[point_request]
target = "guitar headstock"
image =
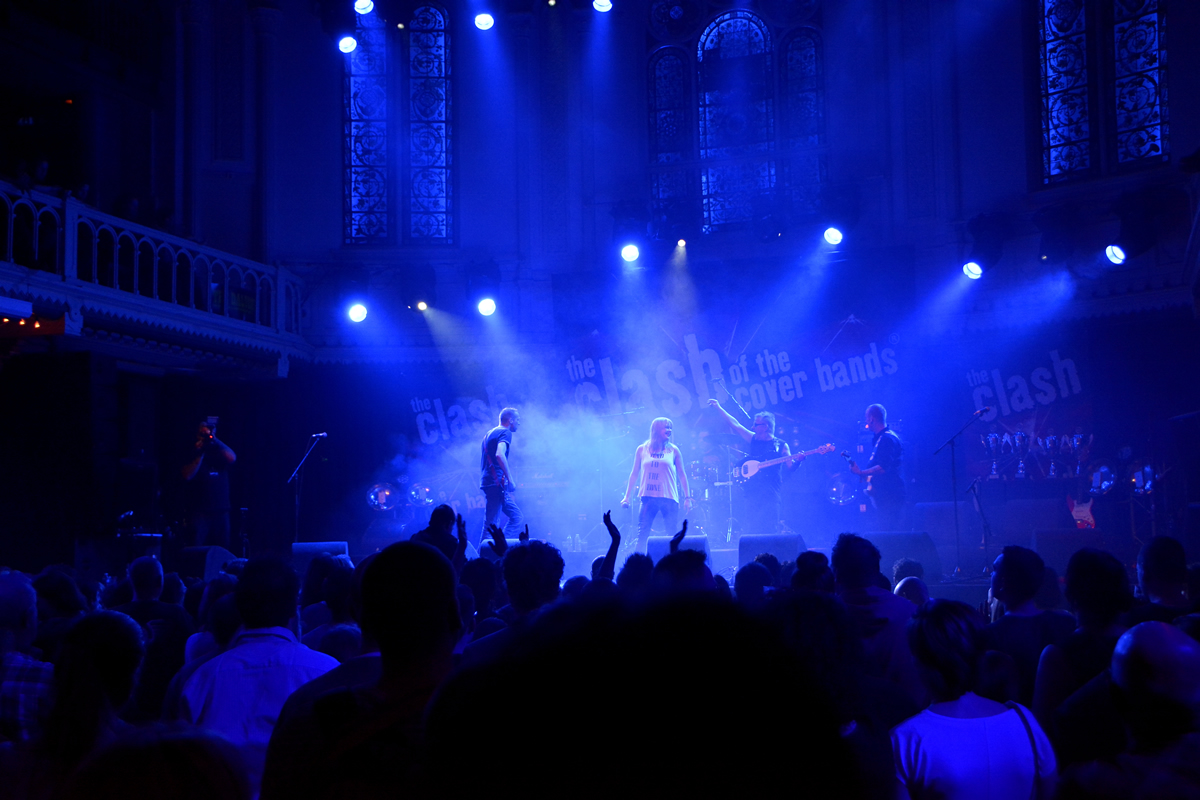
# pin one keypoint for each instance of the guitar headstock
(826, 449)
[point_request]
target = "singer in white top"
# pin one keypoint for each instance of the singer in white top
(659, 476)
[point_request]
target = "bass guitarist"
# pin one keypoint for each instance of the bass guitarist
(496, 479)
(762, 491)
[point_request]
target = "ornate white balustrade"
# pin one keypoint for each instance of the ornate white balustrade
(99, 269)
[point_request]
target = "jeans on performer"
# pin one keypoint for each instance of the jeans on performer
(651, 507)
(499, 500)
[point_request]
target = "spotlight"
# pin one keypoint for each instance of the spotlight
(1115, 254)
(484, 22)
(988, 232)
(357, 312)
(422, 306)
(347, 44)
(487, 306)
(630, 252)
(681, 243)
(833, 236)
(551, 2)
(603, 6)
(1147, 216)
(972, 270)
(364, 6)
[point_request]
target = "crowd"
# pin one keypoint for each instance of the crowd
(420, 672)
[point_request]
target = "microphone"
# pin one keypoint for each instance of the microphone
(983, 410)
(320, 436)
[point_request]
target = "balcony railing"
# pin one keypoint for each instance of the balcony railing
(80, 245)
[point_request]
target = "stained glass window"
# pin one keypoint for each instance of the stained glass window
(367, 210)
(430, 195)
(804, 95)
(1139, 62)
(736, 105)
(1066, 129)
(671, 138)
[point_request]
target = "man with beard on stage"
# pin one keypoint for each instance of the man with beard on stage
(496, 480)
(762, 513)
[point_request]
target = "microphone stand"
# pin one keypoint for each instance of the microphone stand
(954, 487)
(298, 477)
(973, 490)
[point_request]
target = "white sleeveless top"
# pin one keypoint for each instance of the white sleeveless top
(658, 478)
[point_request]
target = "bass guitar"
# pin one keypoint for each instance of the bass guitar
(749, 468)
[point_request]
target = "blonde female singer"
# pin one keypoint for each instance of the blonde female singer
(659, 476)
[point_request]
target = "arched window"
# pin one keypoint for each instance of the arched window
(803, 100)
(399, 159)
(672, 141)
(1104, 107)
(736, 104)
(746, 141)
(429, 186)
(367, 210)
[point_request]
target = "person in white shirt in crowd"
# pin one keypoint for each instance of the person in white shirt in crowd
(965, 747)
(240, 693)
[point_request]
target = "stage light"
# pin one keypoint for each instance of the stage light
(630, 252)
(833, 236)
(603, 6)
(681, 243)
(422, 306)
(357, 312)
(972, 270)
(551, 2)
(487, 306)
(364, 6)
(484, 22)
(347, 44)
(1115, 254)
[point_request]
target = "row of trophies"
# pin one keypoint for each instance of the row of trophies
(1068, 452)
(1068, 456)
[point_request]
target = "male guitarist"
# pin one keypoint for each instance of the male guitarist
(763, 489)
(886, 481)
(496, 480)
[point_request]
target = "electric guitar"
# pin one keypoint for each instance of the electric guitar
(866, 479)
(749, 468)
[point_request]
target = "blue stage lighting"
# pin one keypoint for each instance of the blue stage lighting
(972, 270)
(603, 6)
(364, 6)
(630, 252)
(357, 312)
(1115, 254)
(347, 44)
(484, 22)
(833, 236)
(681, 243)
(487, 306)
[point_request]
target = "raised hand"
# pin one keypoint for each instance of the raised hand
(677, 539)
(524, 537)
(612, 529)
(499, 543)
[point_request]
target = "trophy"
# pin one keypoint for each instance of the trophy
(991, 444)
(1021, 446)
(1050, 445)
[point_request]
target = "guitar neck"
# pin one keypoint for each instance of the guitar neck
(782, 459)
